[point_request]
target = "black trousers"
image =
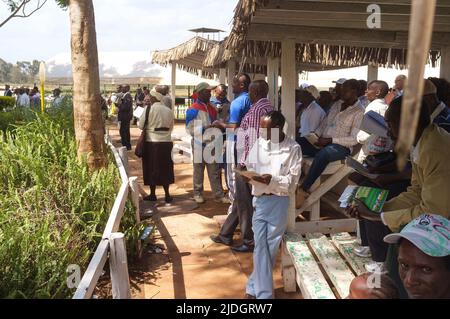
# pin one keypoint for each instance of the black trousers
(241, 214)
(125, 134)
(373, 233)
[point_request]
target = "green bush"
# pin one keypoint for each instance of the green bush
(53, 210)
(7, 102)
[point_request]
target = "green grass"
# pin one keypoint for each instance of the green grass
(52, 208)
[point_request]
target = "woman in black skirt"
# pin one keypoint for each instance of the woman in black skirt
(157, 161)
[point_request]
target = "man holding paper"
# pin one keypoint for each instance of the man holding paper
(277, 160)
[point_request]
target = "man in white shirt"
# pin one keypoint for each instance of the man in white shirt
(277, 160)
(312, 116)
(373, 144)
(23, 99)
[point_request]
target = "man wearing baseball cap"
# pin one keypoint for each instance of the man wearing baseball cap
(204, 114)
(424, 257)
(338, 88)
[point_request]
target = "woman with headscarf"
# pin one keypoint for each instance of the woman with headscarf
(157, 161)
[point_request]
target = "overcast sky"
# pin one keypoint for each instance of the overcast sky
(122, 25)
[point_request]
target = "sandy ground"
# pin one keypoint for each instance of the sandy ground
(191, 265)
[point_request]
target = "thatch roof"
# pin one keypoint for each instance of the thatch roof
(237, 44)
(188, 56)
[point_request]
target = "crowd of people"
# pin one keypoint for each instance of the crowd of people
(31, 98)
(408, 242)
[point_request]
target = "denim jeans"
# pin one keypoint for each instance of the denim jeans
(330, 153)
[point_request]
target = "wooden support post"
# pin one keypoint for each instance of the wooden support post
(273, 70)
(445, 63)
(119, 267)
(231, 75)
(287, 270)
(124, 157)
(288, 107)
(222, 76)
(134, 192)
(372, 73)
(173, 89)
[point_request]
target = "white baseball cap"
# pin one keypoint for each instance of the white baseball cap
(340, 81)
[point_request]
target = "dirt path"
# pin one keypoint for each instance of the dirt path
(191, 265)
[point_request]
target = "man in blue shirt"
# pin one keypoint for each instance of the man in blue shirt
(238, 109)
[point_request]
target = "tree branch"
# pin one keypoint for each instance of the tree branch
(22, 7)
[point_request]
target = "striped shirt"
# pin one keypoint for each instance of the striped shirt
(248, 132)
(342, 126)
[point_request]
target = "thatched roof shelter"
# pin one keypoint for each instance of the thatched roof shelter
(333, 33)
(188, 56)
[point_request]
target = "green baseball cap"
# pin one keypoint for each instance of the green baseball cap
(204, 86)
(429, 233)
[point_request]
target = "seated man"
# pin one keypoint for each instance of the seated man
(277, 159)
(336, 136)
(368, 286)
(312, 115)
(424, 257)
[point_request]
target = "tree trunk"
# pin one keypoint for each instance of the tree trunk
(89, 129)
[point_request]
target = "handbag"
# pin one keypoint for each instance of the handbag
(139, 150)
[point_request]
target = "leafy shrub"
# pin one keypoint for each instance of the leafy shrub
(52, 208)
(7, 102)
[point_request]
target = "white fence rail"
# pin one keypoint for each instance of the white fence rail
(112, 244)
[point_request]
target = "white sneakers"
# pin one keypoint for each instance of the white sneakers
(199, 199)
(376, 267)
(363, 251)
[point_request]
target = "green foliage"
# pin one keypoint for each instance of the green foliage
(52, 208)
(7, 102)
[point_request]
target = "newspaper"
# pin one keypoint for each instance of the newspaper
(248, 174)
(359, 168)
(312, 139)
(138, 112)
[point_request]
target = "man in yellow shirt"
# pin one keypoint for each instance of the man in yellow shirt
(430, 183)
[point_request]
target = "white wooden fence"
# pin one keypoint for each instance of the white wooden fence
(112, 244)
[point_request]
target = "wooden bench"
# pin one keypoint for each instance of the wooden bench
(322, 267)
(334, 173)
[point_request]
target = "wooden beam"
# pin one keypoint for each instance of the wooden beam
(288, 106)
(117, 212)
(273, 73)
(372, 73)
(95, 268)
(231, 74)
(173, 80)
(326, 226)
(335, 36)
(119, 267)
(222, 76)
(346, 245)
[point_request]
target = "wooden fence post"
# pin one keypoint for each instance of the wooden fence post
(134, 187)
(119, 267)
(124, 157)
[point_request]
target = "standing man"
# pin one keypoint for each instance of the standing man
(199, 117)
(242, 208)
(23, 100)
(8, 91)
(125, 116)
(220, 101)
(238, 109)
(277, 159)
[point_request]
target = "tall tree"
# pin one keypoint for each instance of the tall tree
(89, 128)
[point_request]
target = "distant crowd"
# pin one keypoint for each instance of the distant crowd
(31, 97)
